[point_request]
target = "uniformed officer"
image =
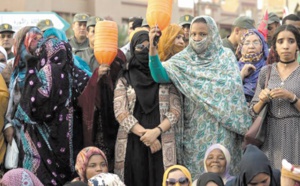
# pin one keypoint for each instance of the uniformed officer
(88, 54)
(6, 39)
(79, 41)
(185, 23)
(44, 24)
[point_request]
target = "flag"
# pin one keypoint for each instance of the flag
(263, 26)
(285, 12)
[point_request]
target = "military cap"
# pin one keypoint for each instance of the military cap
(80, 17)
(244, 22)
(93, 20)
(44, 24)
(186, 19)
(273, 18)
(5, 27)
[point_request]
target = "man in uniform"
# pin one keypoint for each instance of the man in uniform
(44, 24)
(79, 41)
(239, 27)
(88, 54)
(273, 23)
(185, 23)
(6, 39)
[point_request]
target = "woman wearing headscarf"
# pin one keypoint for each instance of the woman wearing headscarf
(209, 177)
(255, 168)
(177, 174)
(44, 114)
(26, 41)
(90, 162)
(252, 53)
(20, 176)
(147, 113)
(171, 42)
(207, 74)
(217, 160)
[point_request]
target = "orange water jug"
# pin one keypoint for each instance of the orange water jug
(159, 12)
(106, 42)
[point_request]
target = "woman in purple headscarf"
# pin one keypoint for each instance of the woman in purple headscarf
(252, 53)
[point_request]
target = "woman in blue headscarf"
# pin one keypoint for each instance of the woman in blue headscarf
(252, 53)
(207, 74)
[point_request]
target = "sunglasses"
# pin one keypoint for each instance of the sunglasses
(181, 181)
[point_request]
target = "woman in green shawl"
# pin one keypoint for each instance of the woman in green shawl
(208, 76)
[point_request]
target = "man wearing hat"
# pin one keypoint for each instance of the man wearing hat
(44, 24)
(88, 54)
(239, 27)
(79, 41)
(273, 23)
(6, 39)
(126, 48)
(185, 23)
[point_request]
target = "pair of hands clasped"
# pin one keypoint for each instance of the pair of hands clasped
(266, 95)
(149, 138)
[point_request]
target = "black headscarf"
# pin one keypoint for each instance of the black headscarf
(253, 162)
(208, 177)
(138, 74)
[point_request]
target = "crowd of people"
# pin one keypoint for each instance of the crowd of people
(171, 109)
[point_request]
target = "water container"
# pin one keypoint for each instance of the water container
(106, 42)
(159, 12)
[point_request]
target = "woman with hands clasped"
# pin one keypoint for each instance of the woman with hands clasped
(147, 113)
(281, 94)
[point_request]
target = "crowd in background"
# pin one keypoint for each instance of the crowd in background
(171, 109)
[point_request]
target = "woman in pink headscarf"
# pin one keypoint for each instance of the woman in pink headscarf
(90, 162)
(20, 176)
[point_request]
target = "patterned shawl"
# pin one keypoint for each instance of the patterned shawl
(83, 159)
(211, 79)
(106, 179)
(258, 60)
(166, 46)
(226, 176)
(21, 177)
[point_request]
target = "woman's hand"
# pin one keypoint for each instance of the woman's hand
(155, 147)
(152, 33)
(9, 134)
(265, 96)
(102, 70)
(247, 70)
(150, 136)
(281, 93)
